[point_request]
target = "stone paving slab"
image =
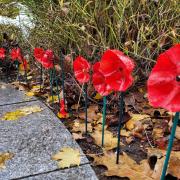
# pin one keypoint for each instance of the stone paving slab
(33, 139)
(83, 172)
(9, 95)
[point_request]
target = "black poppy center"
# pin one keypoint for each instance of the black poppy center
(178, 78)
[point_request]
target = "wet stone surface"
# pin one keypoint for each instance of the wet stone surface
(33, 139)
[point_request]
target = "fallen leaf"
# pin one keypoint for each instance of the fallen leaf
(67, 157)
(134, 118)
(77, 136)
(30, 94)
(18, 113)
(177, 132)
(92, 115)
(53, 98)
(110, 142)
(3, 158)
(79, 126)
(126, 167)
(98, 96)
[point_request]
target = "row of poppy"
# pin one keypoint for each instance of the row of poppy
(15, 55)
(113, 73)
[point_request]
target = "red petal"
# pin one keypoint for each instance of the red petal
(99, 84)
(82, 77)
(2, 53)
(81, 64)
(38, 53)
(119, 81)
(163, 88)
(109, 63)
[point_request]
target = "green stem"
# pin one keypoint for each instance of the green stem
(121, 114)
(51, 84)
(63, 75)
(57, 89)
(104, 118)
(41, 80)
(86, 113)
(170, 145)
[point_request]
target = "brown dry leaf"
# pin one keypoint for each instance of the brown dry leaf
(92, 115)
(3, 158)
(77, 136)
(126, 167)
(18, 113)
(125, 133)
(79, 126)
(157, 133)
(131, 124)
(67, 157)
(174, 163)
(110, 142)
(178, 132)
(19, 86)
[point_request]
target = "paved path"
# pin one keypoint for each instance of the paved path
(33, 139)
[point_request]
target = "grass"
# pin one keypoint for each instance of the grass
(140, 28)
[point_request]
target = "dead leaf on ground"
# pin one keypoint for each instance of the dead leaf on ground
(177, 133)
(174, 163)
(67, 157)
(79, 126)
(92, 115)
(18, 113)
(110, 142)
(127, 167)
(77, 136)
(131, 124)
(3, 158)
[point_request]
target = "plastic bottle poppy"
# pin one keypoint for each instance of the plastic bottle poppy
(81, 69)
(47, 59)
(2, 53)
(113, 72)
(99, 81)
(38, 54)
(16, 54)
(164, 80)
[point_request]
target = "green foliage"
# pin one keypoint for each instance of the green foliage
(141, 28)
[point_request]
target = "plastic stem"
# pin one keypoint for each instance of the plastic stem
(170, 145)
(86, 113)
(104, 118)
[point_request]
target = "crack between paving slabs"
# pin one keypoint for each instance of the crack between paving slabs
(47, 172)
(20, 102)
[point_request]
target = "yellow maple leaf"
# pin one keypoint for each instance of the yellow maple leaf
(67, 157)
(3, 158)
(18, 113)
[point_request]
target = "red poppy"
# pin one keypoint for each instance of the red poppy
(62, 111)
(164, 80)
(81, 69)
(99, 81)
(38, 53)
(16, 54)
(47, 59)
(2, 53)
(115, 69)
